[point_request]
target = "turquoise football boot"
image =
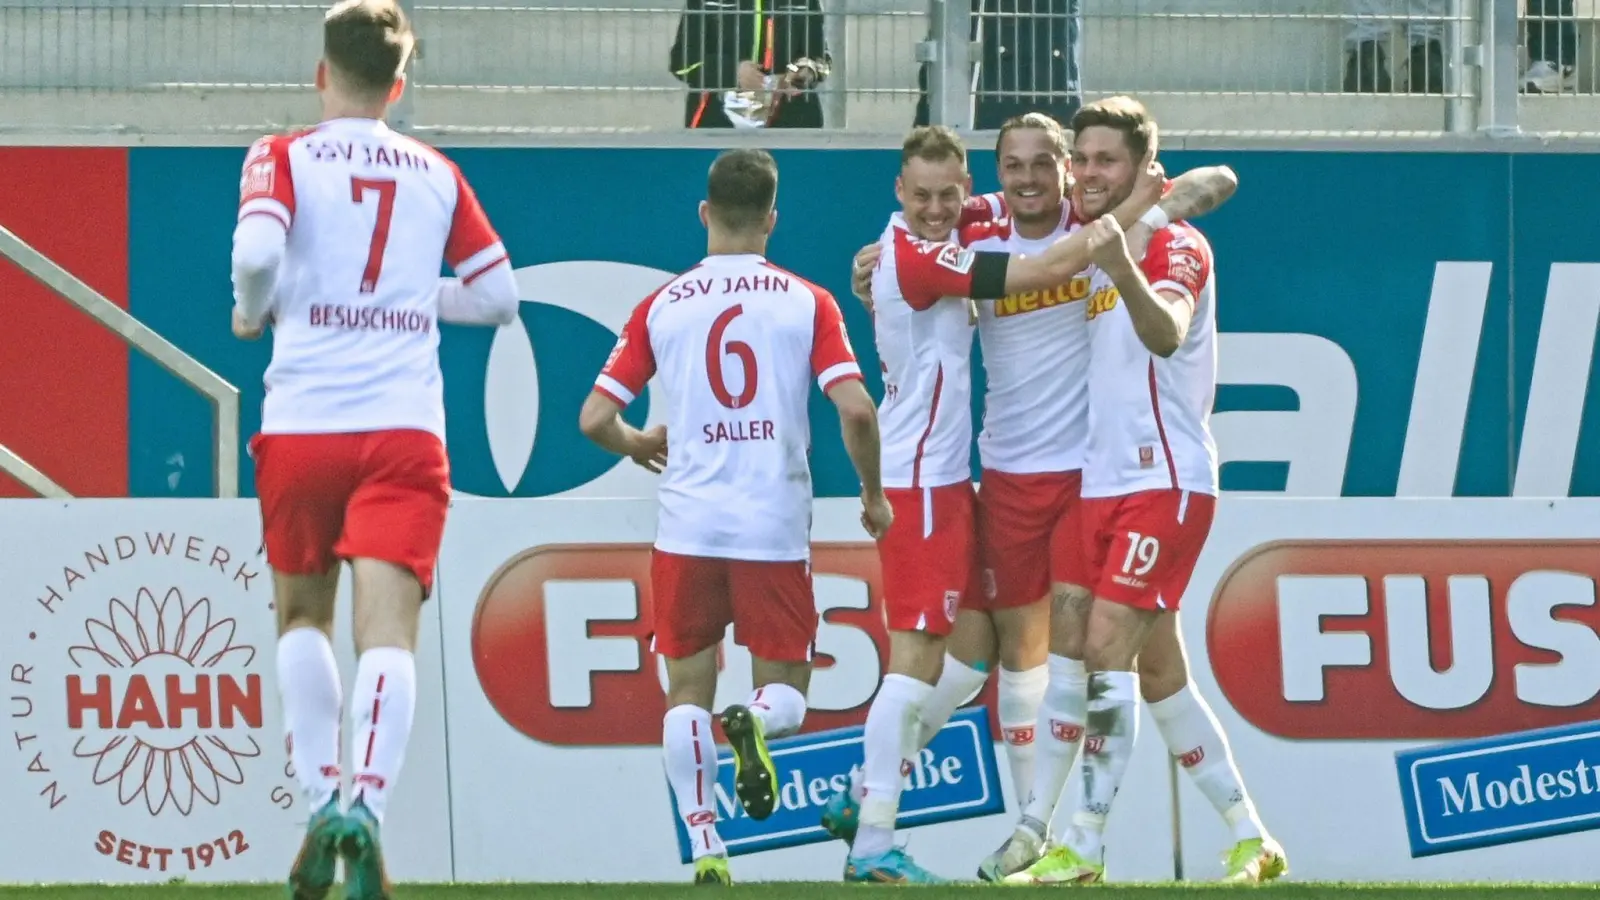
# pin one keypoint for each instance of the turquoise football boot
(892, 867)
(311, 875)
(365, 877)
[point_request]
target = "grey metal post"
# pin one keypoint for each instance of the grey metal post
(1463, 61)
(1177, 818)
(949, 51)
(1499, 23)
(402, 115)
(836, 90)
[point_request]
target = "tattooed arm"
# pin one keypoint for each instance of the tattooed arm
(1199, 191)
(1194, 194)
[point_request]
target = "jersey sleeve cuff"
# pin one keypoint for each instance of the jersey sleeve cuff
(1183, 292)
(266, 206)
(473, 267)
(832, 375)
(614, 389)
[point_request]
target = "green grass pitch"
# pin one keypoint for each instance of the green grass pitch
(820, 891)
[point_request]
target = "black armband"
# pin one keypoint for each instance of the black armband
(989, 275)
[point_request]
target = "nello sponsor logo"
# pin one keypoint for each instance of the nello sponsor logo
(139, 705)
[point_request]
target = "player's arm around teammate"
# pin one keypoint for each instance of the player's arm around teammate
(1191, 195)
(1150, 484)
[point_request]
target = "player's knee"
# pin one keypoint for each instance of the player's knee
(916, 654)
(1070, 606)
(972, 639)
(1026, 642)
(1159, 677)
(691, 692)
(1109, 643)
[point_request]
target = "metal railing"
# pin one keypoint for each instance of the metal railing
(1348, 68)
(224, 397)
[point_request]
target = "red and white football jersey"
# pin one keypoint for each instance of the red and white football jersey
(924, 336)
(735, 344)
(370, 215)
(1036, 359)
(1149, 418)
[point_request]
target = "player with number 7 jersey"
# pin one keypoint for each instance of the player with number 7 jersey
(341, 234)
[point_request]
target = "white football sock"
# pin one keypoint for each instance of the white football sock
(958, 683)
(382, 707)
(1108, 748)
(1020, 696)
(1058, 737)
(690, 753)
(309, 688)
(1196, 740)
(889, 741)
(781, 709)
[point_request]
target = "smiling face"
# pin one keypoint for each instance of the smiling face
(1103, 169)
(931, 194)
(1033, 169)
(1110, 138)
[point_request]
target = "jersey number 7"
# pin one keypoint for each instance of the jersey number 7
(380, 228)
(714, 353)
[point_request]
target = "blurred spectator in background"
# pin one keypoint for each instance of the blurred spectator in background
(1552, 47)
(1029, 62)
(1552, 42)
(1366, 65)
(751, 63)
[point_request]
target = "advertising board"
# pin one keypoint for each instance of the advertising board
(1328, 635)
(146, 740)
(1503, 789)
(1431, 355)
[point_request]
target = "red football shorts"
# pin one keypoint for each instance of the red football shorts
(929, 556)
(770, 604)
(373, 495)
(1144, 546)
(1030, 533)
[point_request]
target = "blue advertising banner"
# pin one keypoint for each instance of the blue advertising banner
(954, 777)
(1380, 337)
(1503, 789)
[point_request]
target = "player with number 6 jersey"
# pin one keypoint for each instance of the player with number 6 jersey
(342, 231)
(734, 345)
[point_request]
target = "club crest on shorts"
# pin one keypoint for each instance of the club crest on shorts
(952, 602)
(991, 588)
(1147, 457)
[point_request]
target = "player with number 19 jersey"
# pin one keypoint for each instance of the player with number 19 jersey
(350, 461)
(735, 345)
(1150, 473)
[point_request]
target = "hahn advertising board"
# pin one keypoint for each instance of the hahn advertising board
(144, 737)
(1357, 360)
(1331, 637)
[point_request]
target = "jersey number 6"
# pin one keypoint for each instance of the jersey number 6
(715, 350)
(380, 228)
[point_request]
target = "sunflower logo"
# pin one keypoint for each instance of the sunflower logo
(165, 684)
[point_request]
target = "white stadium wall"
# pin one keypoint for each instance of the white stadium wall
(146, 743)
